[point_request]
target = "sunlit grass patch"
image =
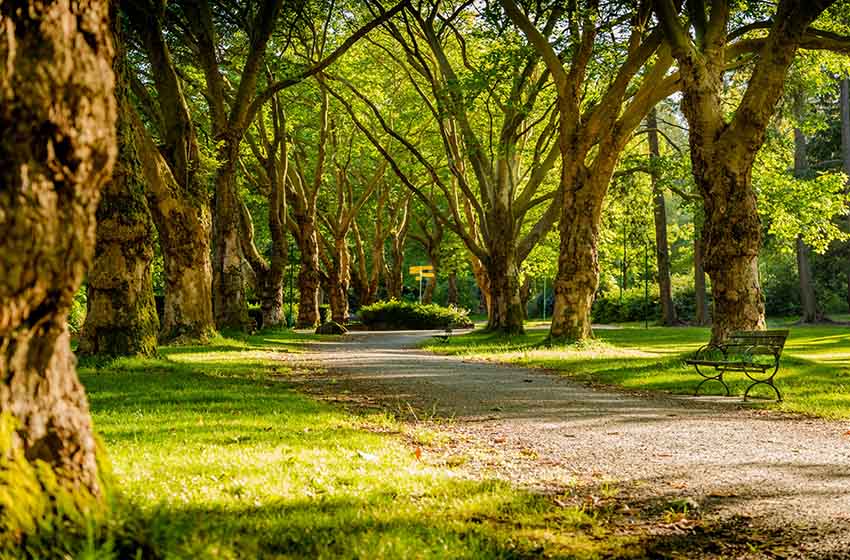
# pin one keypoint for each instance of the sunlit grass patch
(219, 458)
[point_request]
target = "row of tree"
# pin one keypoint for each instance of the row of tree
(235, 125)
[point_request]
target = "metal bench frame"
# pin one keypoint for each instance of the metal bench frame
(738, 354)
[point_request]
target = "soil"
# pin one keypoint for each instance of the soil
(705, 477)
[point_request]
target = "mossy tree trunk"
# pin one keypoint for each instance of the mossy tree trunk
(177, 199)
(121, 318)
(57, 111)
(308, 274)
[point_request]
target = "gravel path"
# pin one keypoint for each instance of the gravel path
(729, 459)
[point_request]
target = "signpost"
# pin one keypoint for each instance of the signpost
(422, 272)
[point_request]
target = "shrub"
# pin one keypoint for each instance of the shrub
(394, 314)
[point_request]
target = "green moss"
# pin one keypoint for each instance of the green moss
(39, 516)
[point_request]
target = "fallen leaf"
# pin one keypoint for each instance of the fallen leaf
(418, 453)
(370, 457)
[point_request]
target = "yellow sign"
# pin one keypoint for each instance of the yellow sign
(422, 270)
(426, 274)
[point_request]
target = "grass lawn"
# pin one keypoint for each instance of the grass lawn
(814, 375)
(215, 456)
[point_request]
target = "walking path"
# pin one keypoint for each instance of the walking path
(728, 459)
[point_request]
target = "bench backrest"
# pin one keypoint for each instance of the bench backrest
(757, 342)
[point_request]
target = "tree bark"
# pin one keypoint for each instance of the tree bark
(121, 318)
(339, 278)
(176, 198)
(308, 275)
(699, 283)
(845, 148)
(230, 305)
(452, 293)
(578, 266)
(808, 299)
(57, 111)
(723, 149)
(662, 251)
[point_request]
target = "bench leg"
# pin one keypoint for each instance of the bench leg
(769, 383)
(718, 377)
(766, 381)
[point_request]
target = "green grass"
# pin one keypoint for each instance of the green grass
(814, 375)
(215, 456)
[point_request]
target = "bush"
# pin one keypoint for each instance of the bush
(401, 315)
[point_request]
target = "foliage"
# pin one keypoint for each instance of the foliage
(77, 314)
(393, 314)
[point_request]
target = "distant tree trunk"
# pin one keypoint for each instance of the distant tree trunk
(308, 275)
(398, 238)
(452, 293)
(845, 148)
(230, 305)
(339, 278)
(525, 295)
(808, 300)
(662, 252)
(482, 280)
(57, 111)
(699, 283)
(121, 318)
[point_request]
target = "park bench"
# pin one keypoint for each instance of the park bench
(447, 334)
(755, 353)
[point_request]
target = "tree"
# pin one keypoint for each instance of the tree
(121, 319)
(174, 184)
(57, 108)
(723, 150)
(659, 207)
(593, 129)
(496, 136)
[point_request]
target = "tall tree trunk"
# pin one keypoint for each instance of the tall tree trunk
(230, 305)
(525, 295)
(578, 262)
(121, 318)
(308, 275)
(731, 239)
(452, 296)
(699, 282)
(182, 220)
(57, 109)
(662, 251)
(177, 199)
(845, 149)
(395, 270)
(808, 300)
(504, 313)
(339, 278)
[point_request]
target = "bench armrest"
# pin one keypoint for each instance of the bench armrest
(710, 352)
